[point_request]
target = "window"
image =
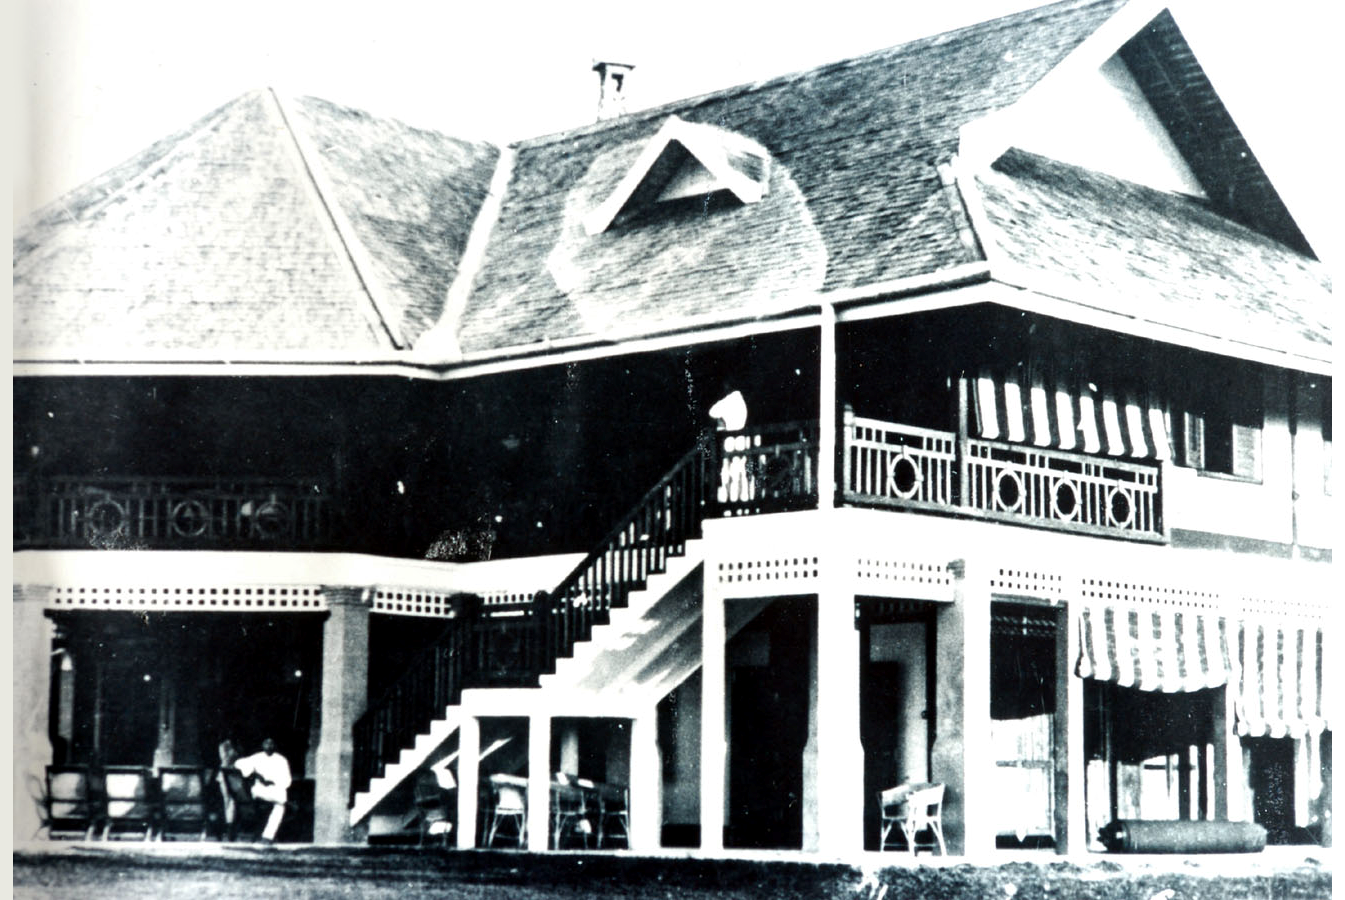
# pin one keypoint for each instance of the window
(1221, 433)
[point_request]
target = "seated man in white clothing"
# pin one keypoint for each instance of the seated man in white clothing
(272, 774)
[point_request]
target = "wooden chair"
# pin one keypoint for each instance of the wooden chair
(72, 802)
(182, 802)
(249, 813)
(913, 808)
(614, 820)
(129, 800)
(571, 809)
(509, 804)
(432, 814)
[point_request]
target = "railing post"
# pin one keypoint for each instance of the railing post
(847, 435)
(962, 488)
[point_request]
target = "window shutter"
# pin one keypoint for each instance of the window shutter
(1193, 434)
(1246, 451)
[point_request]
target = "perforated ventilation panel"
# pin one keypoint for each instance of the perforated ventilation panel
(302, 598)
(904, 578)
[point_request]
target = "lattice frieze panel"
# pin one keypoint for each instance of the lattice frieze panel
(1028, 583)
(1094, 591)
(780, 571)
(412, 602)
(293, 598)
(905, 577)
(1287, 606)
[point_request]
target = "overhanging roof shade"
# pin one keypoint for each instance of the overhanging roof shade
(1275, 668)
(1148, 255)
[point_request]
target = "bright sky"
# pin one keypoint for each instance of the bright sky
(102, 80)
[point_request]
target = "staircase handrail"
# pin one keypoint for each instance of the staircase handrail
(443, 692)
(551, 605)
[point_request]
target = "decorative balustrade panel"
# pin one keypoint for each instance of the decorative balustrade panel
(168, 513)
(886, 464)
(899, 465)
(1063, 490)
(770, 468)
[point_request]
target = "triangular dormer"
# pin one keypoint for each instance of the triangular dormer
(1132, 101)
(683, 160)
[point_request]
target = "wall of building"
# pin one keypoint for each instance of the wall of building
(1257, 509)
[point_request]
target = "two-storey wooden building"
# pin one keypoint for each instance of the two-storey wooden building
(398, 449)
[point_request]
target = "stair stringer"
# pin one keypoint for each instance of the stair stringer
(628, 627)
(409, 760)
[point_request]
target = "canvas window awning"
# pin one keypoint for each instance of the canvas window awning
(1279, 684)
(1275, 668)
(1061, 413)
(1166, 650)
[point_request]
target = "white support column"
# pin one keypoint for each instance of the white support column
(1230, 785)
(839, 786)
(345, 667)
(1071, 824)
(826, 410)
(33, 635)
(713, 686)
(962, 758)
(539, 781)
(469, 751)
(646, 780)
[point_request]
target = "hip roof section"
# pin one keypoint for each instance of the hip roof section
(260, 228)
(854, 198)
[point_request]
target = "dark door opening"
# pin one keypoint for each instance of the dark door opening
(896, 701)
(768, 726)
(1271, 778)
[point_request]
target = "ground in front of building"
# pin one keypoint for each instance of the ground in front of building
(186, 870)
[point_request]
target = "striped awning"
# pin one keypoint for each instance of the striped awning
(1279, 688)
(1064, 414)
(1167, 650)
(1276, 667)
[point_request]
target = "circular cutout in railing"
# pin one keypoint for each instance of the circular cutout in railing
(1008, 491)
(189, 518)
(106, 518)
(271, 520)
(903, 475)
(1120, 507)
(1065, 500)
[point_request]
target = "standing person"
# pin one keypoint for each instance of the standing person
(272, 773)
(228, 759)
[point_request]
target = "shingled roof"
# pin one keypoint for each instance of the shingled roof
(301, 230)
(262, 228)
(1149, 255)
(854, 198)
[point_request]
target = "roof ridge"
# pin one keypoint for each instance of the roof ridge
(345, 237)
(472, 258)
(937, 38)
(402, 123)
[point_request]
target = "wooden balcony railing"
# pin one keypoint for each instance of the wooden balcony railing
(892, 465)
(170, 513)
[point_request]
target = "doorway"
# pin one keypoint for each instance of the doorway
(767, 673)
(896, 700)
